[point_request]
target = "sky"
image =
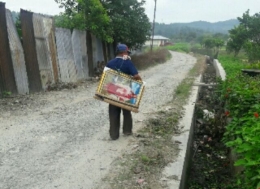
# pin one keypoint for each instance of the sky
(168, 11)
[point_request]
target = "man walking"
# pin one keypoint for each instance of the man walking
(126, 66)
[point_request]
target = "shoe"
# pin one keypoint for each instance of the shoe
(128, 134)
(113, 138)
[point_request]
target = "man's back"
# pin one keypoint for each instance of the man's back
(125, 66)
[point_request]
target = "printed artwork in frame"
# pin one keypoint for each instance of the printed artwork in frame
(120, 89)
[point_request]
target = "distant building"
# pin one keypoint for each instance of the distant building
(158, 40)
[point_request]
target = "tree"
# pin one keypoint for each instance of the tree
(18, 25)
(200, 40)
(253, 51)
(252, 26)
(75, 21)
(218, 43)
(191, 36)
(129, 21)
(238, 37)
(221, 36)
(212, 43)
(209, 43)
(111, 20)
(85, 14)
(246, 36)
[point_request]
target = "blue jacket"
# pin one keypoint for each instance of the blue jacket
(125, 66)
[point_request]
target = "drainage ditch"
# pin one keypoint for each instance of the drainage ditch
(209, 166)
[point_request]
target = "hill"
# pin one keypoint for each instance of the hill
(217, 27)
(169, 30)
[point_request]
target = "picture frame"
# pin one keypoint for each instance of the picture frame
(120, 89)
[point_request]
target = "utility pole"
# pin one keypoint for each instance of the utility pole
(153, 23)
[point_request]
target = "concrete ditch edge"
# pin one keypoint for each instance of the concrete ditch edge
(176, 172)
(220, 72)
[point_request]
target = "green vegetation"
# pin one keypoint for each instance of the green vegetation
(112, 21)
(6, 94)
(246, 36)
(209, 45)
(18, 25)
(17, 21)
(180, 47)
(129, 22)
(89, 15)
(212, 42)
(194, 33)
(232, 65)
(240, 93)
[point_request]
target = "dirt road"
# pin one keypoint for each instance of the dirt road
(60, 139)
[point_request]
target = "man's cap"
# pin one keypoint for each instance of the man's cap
(122, 48)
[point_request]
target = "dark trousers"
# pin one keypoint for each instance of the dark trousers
(114, 118)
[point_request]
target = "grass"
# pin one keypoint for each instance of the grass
(180, 47)
(155, 147)
(232, 65)
(182, 90)
(5, 94)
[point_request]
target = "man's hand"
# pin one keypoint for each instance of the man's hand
(137, 77)
(125, 57)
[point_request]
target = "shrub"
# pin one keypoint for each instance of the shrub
(149, 58)
(203, 51)
(180, 47)
(241, 94)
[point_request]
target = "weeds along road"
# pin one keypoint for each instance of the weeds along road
(60, 139)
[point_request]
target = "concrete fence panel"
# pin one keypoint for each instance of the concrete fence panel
(111, 51)
(94, 50)
(7, 78)
(49, 31)
(46, 54)
(90, 54)
(79, 46)
(67, 66)
(100, 53)
(29, 46)
(17, 55)
(43, 50)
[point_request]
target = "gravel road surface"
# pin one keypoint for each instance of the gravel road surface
(60, 139)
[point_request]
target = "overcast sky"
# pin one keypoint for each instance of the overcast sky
(168, 11)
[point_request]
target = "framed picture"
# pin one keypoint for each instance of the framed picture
(120, 90)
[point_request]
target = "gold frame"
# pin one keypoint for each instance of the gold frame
(125, 105)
